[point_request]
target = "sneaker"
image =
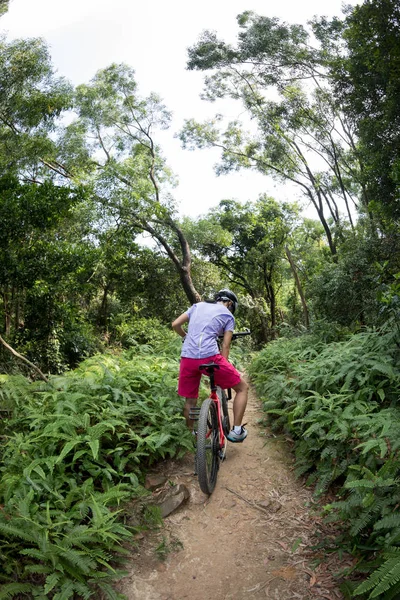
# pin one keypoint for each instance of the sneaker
(237, 437)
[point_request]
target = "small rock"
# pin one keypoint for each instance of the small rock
(271, 505)
(197, 496)
(264, 503)
(154, 481)
(171, 499)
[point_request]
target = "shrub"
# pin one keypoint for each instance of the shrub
(340, 403)
(75, 450)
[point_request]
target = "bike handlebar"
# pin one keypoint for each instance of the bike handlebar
(237, 335)
(241, 334)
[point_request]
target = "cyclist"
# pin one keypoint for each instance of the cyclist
(207, 321)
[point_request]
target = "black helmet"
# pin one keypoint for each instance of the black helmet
(226, 295)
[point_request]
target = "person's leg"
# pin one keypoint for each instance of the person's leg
(190, 403)
(240, 402)
(227, 376)
(188, 385)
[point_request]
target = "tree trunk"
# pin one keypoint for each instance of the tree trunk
(273, 312)
(299, 288)
(17, 310)
(102, 318)
(25, 360)
(271, 296)
(7, 312)
(183, 266)
(187, 284)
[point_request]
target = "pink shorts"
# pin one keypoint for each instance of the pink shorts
(189, 374)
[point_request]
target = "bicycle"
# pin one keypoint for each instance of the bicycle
(213, 426)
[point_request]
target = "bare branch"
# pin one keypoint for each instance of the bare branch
(25, 360)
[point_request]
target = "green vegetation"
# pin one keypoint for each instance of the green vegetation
(73, 452)
(339, 402)
(95, 262)
(76, 199)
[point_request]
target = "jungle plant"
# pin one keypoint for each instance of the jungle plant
(75, 451)
(339, 402)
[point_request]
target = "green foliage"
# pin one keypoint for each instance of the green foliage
(75, 451)
(134, 331)
(339, 402)
(368, 84)
(31, 99)
(3, 6)
(366, 264)
(246, 242)
(272, 59)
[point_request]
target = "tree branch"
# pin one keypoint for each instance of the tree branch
(25, 360)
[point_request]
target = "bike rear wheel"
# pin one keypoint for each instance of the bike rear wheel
(226, 425)
(207, 446)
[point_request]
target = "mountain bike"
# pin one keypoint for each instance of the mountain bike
(213, 425)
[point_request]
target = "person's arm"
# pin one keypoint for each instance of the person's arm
(177, 324)
(226, 344)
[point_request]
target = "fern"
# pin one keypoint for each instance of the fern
(340, 405)
(10, 590)
(384, 578)
(76, 452)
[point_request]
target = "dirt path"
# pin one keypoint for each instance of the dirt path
(251, 539)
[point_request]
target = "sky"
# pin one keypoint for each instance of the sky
(153, 37)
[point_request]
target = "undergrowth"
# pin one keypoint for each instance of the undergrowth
(72, 453)
(339, 401)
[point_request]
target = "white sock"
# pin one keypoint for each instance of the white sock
(237, 429)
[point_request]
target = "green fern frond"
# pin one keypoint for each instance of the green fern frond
(51, 582)
(389, 522)
(381, 580)
(10, 590)
(12, 531)
(66, 591)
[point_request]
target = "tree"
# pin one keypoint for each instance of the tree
(45, 258)
(252, 260)
(368, 83)
(3, 6)
(31, 100)
(302, 137)
(111, 147)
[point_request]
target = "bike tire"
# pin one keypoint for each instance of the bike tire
(207, 457)
(226, 424)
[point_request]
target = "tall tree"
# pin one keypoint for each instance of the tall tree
(301, 135)
(3, 6)
(111, 146)
(31, 100)
(252, 258)
(45, 258)
(368, 83)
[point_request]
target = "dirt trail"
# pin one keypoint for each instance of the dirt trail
(251, 539)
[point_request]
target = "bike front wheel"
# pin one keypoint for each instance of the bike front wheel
(207, 457)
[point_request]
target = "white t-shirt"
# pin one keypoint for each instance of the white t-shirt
(206, 322)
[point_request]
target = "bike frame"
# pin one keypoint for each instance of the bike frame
(210, 424)
(214, 396)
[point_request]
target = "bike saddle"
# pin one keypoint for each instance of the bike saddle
(209, 367)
